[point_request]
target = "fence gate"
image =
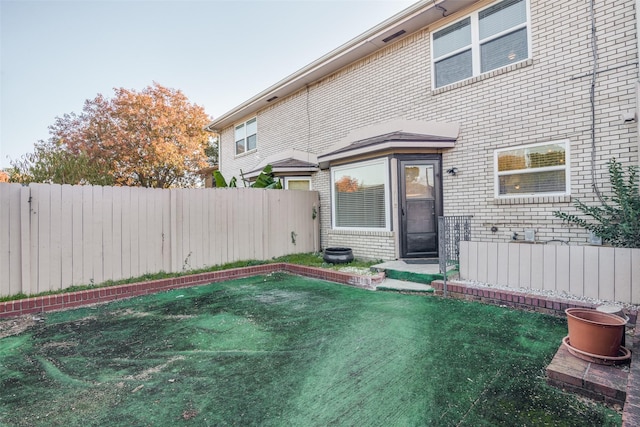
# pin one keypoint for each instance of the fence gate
(451, 230)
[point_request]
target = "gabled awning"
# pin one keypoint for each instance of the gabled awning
(390, 137)
(289, 162)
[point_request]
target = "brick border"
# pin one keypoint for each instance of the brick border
(515, 299)
(508, 298)
(556, 307)
(69, 300)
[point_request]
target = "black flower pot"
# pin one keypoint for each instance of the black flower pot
(337, 255)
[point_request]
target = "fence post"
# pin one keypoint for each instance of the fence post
(173, 229)
(25, 239)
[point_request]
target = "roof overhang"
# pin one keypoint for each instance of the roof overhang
(392, 137)
(399, 26)
(289, 162)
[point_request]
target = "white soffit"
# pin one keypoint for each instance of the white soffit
(410, 20)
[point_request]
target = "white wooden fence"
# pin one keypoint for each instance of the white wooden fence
(611, 274)
(56, 236)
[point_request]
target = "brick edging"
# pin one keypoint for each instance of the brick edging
(77, 299)
(555, 306)
(631, 412)
(516, 299)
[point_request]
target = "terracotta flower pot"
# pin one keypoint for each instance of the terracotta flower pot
(595, 332)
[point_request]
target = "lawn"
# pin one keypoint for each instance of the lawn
(282, 350)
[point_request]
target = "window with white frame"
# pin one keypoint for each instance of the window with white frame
(297, 183)
(360, 196)
(483, 41)
(533, 170)
(246, 136)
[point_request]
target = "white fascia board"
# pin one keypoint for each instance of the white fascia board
(385, 146)
(415, 17)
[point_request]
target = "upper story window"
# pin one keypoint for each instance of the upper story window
(483, 41)
(246, 136)
(360, 196)
(533, 170)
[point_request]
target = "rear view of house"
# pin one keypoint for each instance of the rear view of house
(502, 110)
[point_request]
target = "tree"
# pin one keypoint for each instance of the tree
(212, 151)
(50, 163)
(4, 177)
(152, 138)
(617, 221)
(266, 179)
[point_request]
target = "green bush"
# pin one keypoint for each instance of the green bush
(617, 221)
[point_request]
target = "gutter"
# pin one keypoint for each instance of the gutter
(401, 25)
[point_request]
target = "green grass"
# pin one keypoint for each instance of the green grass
(308, 259)
(282, 350)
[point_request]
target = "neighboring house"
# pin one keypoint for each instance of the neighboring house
(482, 108)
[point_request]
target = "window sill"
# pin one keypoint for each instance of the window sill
(532, 200)
(361, 233)
(246, 153)
(482, 77)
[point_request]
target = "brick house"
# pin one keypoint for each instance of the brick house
(504, 110)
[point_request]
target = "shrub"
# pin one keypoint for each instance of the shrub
(617, 221)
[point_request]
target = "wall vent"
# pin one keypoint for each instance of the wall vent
(393, 36)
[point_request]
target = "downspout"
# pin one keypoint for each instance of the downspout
(592, 99)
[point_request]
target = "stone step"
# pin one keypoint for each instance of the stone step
(402, 286)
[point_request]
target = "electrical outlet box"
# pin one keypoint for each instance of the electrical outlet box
(529, 235)
(594, 240)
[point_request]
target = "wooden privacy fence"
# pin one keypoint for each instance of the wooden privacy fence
(605, 273)
(56, 236)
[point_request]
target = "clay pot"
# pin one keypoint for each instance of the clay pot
(595, 332)
(337, 255)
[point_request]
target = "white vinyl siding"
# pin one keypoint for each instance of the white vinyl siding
(360, 194)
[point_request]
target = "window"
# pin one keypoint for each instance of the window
(485, 40)
(246, 136)
(360, 195)
(297, 183)
(533, 170)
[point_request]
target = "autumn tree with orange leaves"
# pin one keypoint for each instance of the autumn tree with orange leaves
(152, 138)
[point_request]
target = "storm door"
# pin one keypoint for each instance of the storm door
(420, 205)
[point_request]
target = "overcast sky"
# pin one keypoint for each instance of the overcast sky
(56, 54)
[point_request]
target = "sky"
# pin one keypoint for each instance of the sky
(54, 55)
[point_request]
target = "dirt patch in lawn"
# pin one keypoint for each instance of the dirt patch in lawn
(17, 325)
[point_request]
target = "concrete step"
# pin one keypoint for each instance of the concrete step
(401, 285)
